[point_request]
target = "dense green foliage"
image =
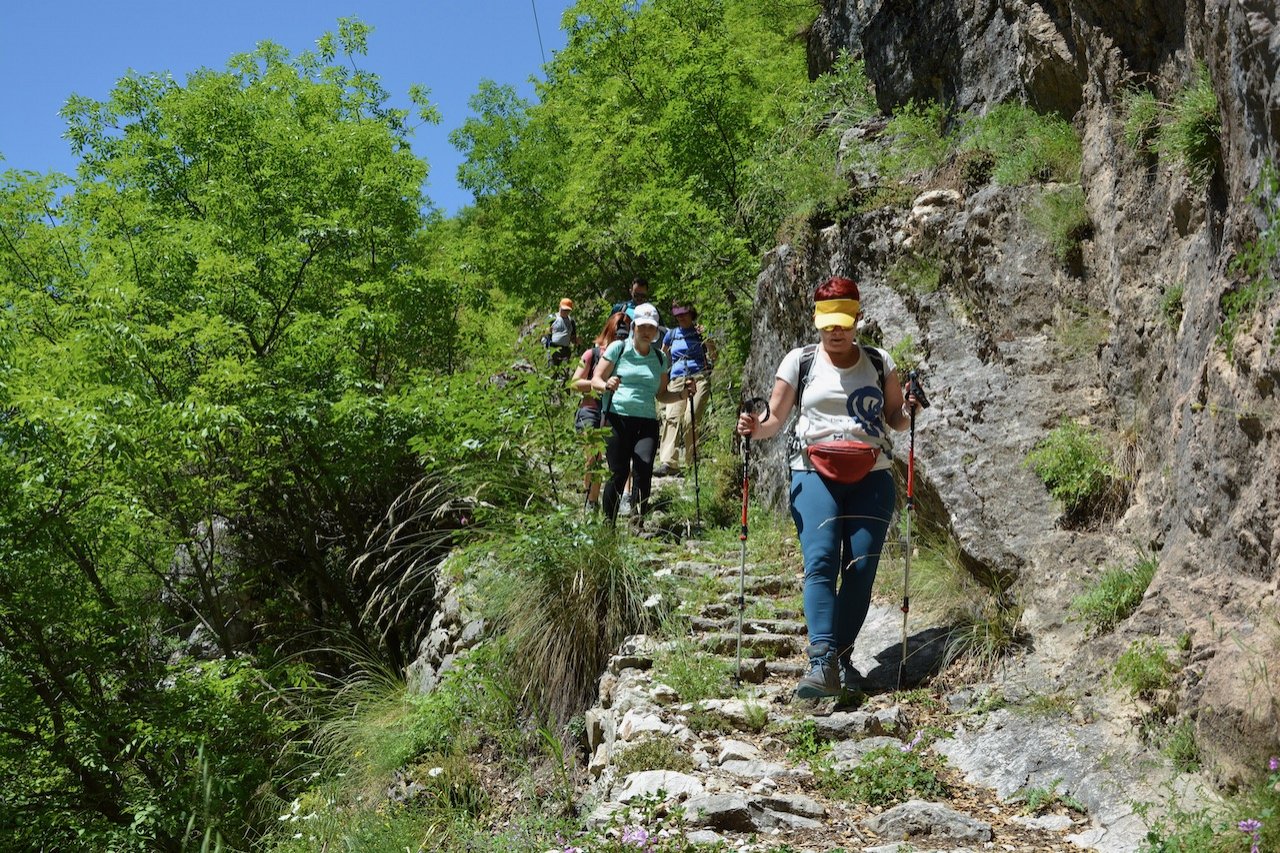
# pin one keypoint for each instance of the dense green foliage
(638, 156)
(203, 348)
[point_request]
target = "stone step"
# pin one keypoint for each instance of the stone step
(749, 626)
(770, 646)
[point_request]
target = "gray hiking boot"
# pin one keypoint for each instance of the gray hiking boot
(850, 678)
(823, 680)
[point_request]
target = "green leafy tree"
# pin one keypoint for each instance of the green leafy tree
(635, 158)
(203, 359)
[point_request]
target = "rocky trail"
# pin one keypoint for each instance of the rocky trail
(757, 769)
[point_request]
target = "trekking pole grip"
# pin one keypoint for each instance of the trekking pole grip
(749, 406)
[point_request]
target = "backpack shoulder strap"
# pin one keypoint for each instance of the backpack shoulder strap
(806, 364)
(877, 362)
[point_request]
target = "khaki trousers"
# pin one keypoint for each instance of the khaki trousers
(677, 421)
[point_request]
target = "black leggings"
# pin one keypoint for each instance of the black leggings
(630, 450)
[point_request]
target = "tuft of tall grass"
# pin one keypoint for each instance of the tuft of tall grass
(1192, 132)
(570, 595)
(1114, 596)
(1077, 468)
(984, 636)
(1140, 113)
(1061, 217)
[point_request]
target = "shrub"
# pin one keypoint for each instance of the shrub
(1025, 145)
(891, 775)
(1191, 134)
(1115, 595)
(1076, 468)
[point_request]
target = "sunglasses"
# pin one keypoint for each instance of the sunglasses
(835, 326)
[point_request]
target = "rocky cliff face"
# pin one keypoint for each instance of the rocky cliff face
(1013, 341)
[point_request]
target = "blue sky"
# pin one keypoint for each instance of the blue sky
(50, 49)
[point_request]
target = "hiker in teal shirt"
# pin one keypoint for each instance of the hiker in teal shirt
(634, 373)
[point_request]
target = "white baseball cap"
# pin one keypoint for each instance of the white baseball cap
(646, 315)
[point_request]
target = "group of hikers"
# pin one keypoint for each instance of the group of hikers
(634, 367)
(847, 398)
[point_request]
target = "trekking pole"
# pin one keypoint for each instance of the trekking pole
(693, 428)
(913, 389)
(750, 406)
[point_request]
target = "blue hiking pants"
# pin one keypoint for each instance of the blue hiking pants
(842, 528)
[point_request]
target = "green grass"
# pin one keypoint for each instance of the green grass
(1181, 748)
(1076, 467)
(1144, 668)
(1140, 113)
(1026, 146)
(915, 273)
(1080, 329)
(1254, 265)
(1217, 828)
(1036, 800)
(803, 741)
(1191, 132)
(888, 776)
(1061, 218)
(692, 672)
(1171, 306)
(1114, 596)
(918, 140)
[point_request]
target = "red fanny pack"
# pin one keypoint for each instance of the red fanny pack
(843, 461)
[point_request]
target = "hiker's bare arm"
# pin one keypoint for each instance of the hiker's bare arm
(604, 380)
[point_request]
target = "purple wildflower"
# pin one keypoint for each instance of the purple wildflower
(1252, 827)
(1274, 764)
(915, 741)
(637, 836)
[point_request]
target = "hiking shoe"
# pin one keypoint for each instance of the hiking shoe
(823, 680)
(850, 678)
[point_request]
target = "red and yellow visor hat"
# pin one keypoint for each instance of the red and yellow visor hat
(835, 312)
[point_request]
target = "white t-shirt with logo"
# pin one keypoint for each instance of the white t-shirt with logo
(838, 403)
